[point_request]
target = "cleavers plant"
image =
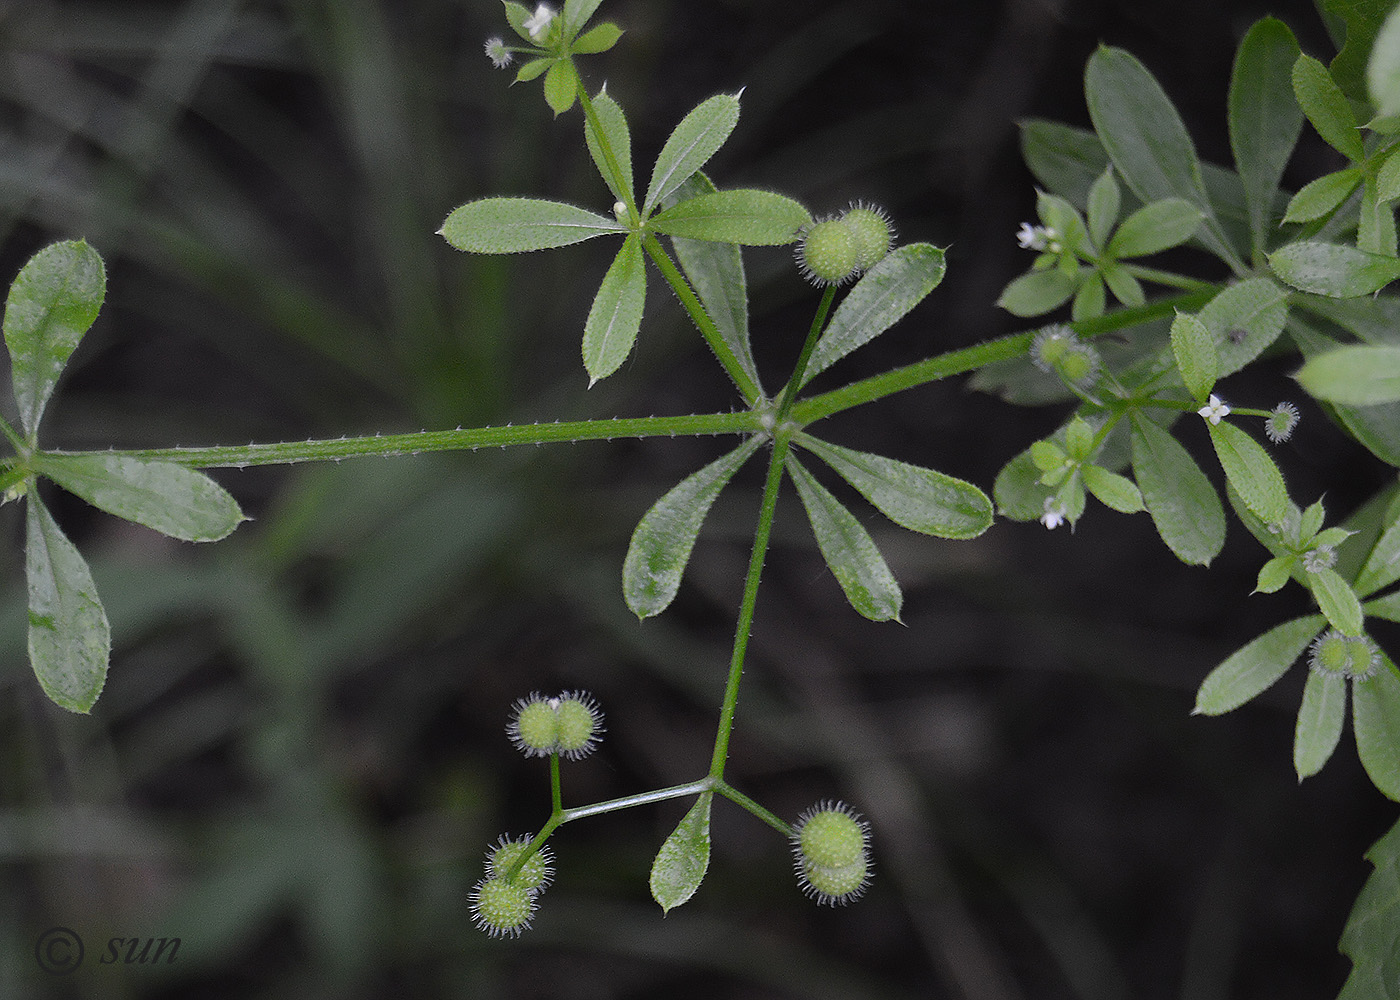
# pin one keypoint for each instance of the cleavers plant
(1301, 272)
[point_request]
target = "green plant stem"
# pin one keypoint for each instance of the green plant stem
(746, 385)
(970, 358)
(1169, 279)
(469, 439)
(739, 798)
(799, 370)
(748, 603)
(556, 791)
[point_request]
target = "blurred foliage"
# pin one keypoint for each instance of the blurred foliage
(300, 756)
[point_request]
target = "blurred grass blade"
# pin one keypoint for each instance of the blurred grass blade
(1355, 375)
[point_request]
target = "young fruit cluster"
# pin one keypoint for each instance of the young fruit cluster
(835, 250)
(567, 725)
(831, 851)
(503, 903)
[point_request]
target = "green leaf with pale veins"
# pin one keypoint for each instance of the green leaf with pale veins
(1337, 600)
(1333, 269)
(516, 225)
(911, 496)
(1194, 349)
(746, 217)
(561, 85)
(616, 314)
(52, 303)
(662, 543)
(848, 549)
(1326, 107)
(1112, 490)
(1144, 136)
(1320, 196)
(684, 857)
(1264, 118)
(613, 135)
(1155, 227)
(168, 498)
(1371, 938)
(1375, 719)
(882, 297)
(716, 272)
(1355, 375)
(694, 141)
(1254, 668)
(1255, 307)
(1183, 504)
(1320, 719)
(70, 641)
(1251, 472)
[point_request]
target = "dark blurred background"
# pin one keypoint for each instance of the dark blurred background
(299, 758)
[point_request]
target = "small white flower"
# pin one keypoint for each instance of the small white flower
(1030, 237)
(538, 23)
(1214, 410)
(496, 52)
(1054, 515)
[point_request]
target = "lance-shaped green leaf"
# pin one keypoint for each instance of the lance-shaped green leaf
(1356, 375)
(70, 641)
(1336, 600)
(1251, 472)
(516, 225)
(1375, 719)
(911, 496)
(1319, 197)
(610, 145)
(1371, 938)
(747, 217)
(690, 146)
(168, 498)
(1037, 292)
(51, 304)
(1256, 307)
(1382, 566)
(1320, 719)
(848, 549)
(576, 14)
(681, 863)
(1156, 227)
(1377, 427)
(1274, 573)
(616, 314)
(880, 299)
(1194, 350)
(1264, 118)
(662, 543)
(1144, 136)
(1112, 490)
(1333, 269)
(1105, 200)
(561, 85)
(716, 272)
(597, 39)
(1326, 107)
(1183, 504)
(1254, 667)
